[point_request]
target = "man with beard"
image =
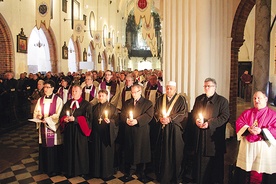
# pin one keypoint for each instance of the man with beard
(104, 119)
(76, 131)
(171, 113)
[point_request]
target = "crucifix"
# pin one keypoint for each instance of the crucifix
(100, 120)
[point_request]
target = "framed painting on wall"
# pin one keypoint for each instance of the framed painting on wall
(22, 42)
(64, 51)
(75, 12)
(64, 6)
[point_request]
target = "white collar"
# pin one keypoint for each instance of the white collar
(77, 104)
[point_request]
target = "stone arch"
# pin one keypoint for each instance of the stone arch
(104, 55)
(7, 47)
(78, 52)
(113, 62)
(49, 33)
(237, 35)
(93, 53)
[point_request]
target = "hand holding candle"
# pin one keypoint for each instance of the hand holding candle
(38, 115)
(165, 115)
(67, 113)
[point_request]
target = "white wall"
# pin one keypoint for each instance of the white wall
(21, 14)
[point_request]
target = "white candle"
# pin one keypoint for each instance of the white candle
(106, 114)
(201, 117)
(67, 113)
(130, 115)
(164, 113)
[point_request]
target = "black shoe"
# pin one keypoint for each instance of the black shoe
(142, 177)
(116, 169)
(127, 177)
(52, 174)
(108, 178)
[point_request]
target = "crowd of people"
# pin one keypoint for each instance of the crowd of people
(96, 123)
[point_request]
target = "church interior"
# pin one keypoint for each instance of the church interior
(187, 40)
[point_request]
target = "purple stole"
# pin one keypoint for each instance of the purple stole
(92, 93)
(159, 90)
(48, 137)
(60, 93)
(113, 88)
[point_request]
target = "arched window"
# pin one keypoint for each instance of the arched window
(38, 52)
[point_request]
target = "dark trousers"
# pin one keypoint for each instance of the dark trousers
(210, 169)
(140, 169)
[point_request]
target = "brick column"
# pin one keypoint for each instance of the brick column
(262, 45)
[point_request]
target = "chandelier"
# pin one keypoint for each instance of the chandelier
(39, 44)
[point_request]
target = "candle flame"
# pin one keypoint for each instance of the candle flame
(201, 117)
(106, 113)
(164, 113)
(130, 115)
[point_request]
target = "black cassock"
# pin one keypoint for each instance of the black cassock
(102, 140)
(170, 141)
(137, 137)
(75, 142)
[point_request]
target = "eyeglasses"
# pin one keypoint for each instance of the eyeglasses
(134, 92)
(208, 86)
(47, 87)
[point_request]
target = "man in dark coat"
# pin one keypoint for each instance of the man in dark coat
(210, 115)
(171, 114)
(76, 131)
(104, 119)
(137, 112)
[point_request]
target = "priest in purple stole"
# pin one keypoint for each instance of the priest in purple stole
(112, 87)
(65, 91)
(104, 119)
(76, 131)
(48, 109)
(89, 91)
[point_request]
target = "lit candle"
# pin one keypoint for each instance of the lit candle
(130, 115)
(38, 114)
(201, 117)
(106, 114)
(67, 113)
(164, 113)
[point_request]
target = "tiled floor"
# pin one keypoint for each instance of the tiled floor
(26, 169)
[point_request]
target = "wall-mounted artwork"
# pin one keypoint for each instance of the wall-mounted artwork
(64, 6)
(64, 51)
(22, 42)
